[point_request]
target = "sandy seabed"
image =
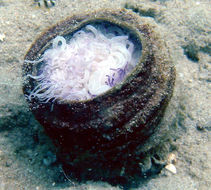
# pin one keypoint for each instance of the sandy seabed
(27, 157)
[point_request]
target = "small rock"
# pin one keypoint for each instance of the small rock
(172, 158)
(171, 168)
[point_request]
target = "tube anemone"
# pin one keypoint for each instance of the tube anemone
(87, 65)
(108, 75)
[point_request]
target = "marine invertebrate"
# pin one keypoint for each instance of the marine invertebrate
(89, 64)
(47, 3)
(116, 127)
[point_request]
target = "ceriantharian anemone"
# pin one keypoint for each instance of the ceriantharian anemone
(91, 63)
(99, 84)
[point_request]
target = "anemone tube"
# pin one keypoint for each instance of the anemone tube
(119, 128)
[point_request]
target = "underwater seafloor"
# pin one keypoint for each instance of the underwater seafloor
(27, 157)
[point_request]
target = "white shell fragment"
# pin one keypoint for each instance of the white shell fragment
(171, 168)
(2, 37)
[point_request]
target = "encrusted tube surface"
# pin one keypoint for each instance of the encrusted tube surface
(110, 129)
